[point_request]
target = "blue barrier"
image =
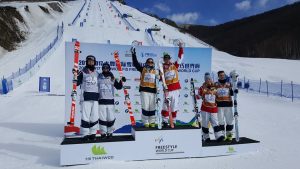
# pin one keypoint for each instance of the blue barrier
(44, 84)
(4, 86)
(78, 15)
(280, 89)
(15, 76)
(149, 32)
(124, 19)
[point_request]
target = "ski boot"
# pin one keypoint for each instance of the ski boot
(207, 140)
(86, 138)
(103, 136)
(228, 137)
(109, 135)
(165, 124)
(152, 125)
(92, 137)
(220, 139)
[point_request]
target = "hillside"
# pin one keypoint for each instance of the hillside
(273, 34)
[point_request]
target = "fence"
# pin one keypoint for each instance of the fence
(78, 15)
(124, 19)
(150, 37)
(281, 89)
(22, 74)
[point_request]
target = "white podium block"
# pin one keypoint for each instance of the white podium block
(147, 143)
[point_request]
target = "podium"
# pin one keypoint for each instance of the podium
(149, 144)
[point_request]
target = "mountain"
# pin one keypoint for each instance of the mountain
(273, 34)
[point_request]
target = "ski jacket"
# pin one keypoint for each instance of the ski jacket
(224, 93)
(87, 79)
(106, 89)
(208, 99)
(147, 78)
(171, 72)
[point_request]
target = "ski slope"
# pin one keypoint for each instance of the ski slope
(31, 123)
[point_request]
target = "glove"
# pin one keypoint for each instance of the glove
(236, 91)
(132, 50)
(123, 79)
(74, 71)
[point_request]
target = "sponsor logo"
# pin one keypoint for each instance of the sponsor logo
(137, 79)
(186, 88)
(98, 150)
(185, 111)
(128, 54)
(117, 95)
(151, 55)
(127, 87)
(137, 95)
(136, 111)
(186, 80)
(117, 111)
(186, 103)
(231, 149)
(99, 153)
(137, 103)
(117, 102)
(186, 95)
(162, 148)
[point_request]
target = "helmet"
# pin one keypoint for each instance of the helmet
(166, 55)
(105, 65)
(90, 57)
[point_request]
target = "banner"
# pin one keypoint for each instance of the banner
(195, 63)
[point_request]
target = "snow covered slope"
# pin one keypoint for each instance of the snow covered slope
(42, 30)
(32, 123)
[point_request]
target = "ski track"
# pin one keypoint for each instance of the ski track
(32, 122)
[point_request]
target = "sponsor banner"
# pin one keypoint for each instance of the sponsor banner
(158, 144)
(196, 62)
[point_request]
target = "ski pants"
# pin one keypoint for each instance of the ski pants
(148, 107)
(89, 117)
(174, 106)
(213, 119)
(225, 114)
(106, 118)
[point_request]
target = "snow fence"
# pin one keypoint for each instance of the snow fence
(24, 73)
(268, 88)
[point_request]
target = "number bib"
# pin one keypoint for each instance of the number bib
(210, 98)
(223, 92)
(170, 75)
(149, 78)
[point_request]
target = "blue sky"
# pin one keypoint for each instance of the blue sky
(206, 12)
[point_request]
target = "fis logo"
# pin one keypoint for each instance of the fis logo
(159, 139)
(185, 103)
(98, 150)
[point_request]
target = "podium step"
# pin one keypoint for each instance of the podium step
(243, 140)
(79, 140)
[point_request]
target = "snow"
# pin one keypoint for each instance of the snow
(254, 68)
(42, 28)
(31, 123)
